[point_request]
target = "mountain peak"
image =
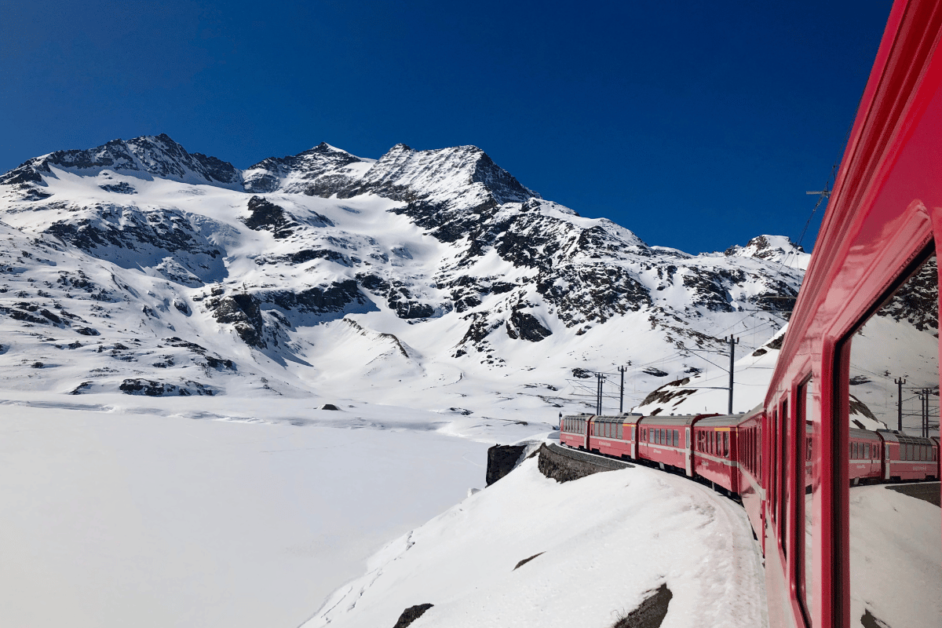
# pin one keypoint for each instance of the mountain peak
(771, 248)
(159, 156)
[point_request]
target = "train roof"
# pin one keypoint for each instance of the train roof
(859, 433)
(893, 437)
(681, 419)
(616, 418)
(722, 421)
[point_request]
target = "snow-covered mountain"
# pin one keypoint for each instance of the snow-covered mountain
(429, 279)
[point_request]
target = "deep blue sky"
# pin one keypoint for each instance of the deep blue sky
(695, 124)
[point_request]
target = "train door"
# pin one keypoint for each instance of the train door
(688, 450)
(886, 460)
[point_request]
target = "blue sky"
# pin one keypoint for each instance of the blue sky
(695, 124)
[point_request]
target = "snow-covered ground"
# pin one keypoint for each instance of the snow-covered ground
(895, 558)
(604, 543)
(238, 512)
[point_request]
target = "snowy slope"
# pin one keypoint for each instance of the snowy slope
(427, 279)
(589, 564)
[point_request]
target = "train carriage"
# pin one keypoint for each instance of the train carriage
(908, 457)
(715, 445)
(749, 456)
(573, 430)
(610, 436)
(864, 452)
(664, 440)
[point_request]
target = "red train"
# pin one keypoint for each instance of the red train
(727, 451)
(793, 461)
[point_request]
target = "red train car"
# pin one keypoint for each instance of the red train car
(909, 458)
(574, 431)
(610, 436)
(865, 455)
(883, 224)
(665, 441)
(715, 445)
(749, 456)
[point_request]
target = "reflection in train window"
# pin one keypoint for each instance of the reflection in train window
(895, 518)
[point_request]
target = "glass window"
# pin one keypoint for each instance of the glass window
(783, 491)
(676, 438)
(806, 518)
(895, 546)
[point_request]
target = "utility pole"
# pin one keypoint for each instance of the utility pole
(621, 399)
(732, 359)
(899, 403)
(598, 395)
(925, 412)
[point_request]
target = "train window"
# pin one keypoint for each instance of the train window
(807, 425)
(775, 465)
(783, 492)
(676, 438)
(895, 546)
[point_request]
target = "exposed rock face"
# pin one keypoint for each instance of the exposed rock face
(242, 311)
(918, 300)
(501, 460)
(268, 216)
(298, 173)
(411, 614)
(650, 613)
(162, 389)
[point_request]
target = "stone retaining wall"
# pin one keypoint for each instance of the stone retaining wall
(563, 464)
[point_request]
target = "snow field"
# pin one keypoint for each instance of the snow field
(606, 541)
(127, 517)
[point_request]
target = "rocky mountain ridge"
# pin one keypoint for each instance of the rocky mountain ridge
(441, 250)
